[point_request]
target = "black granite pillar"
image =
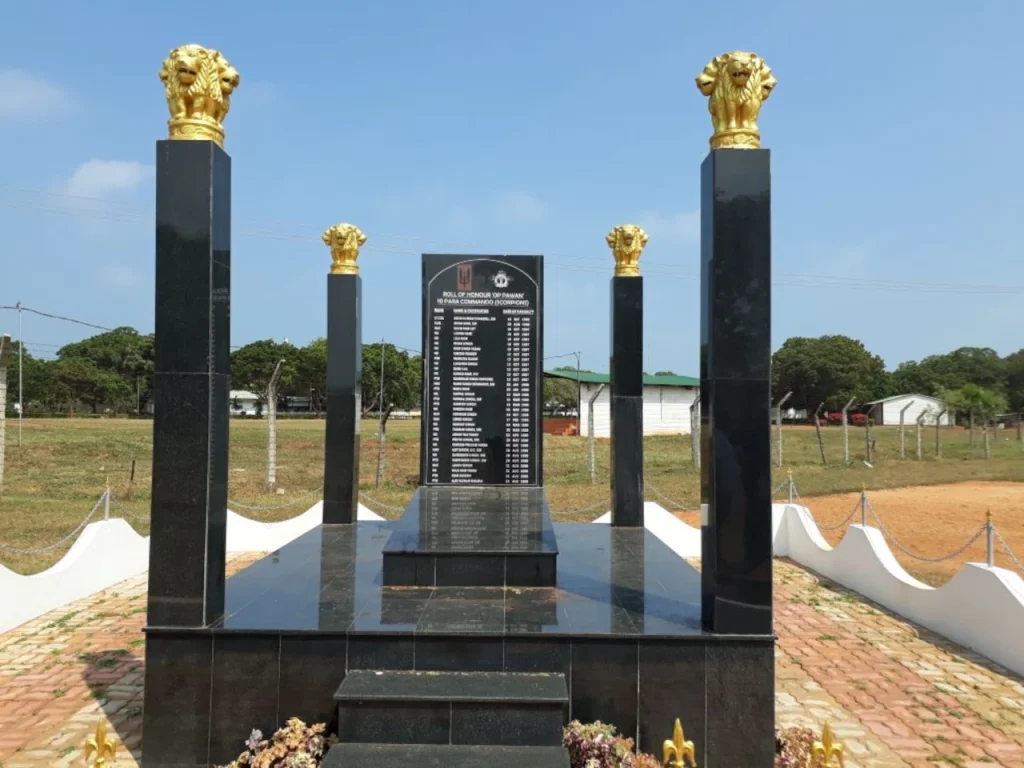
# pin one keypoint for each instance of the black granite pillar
(627, 401)
(736, 536)
(344, 397)
(190, 384)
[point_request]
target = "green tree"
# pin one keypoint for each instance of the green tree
(829, 369)
(80, 380)
(665, 373)
(253, 365)
(560, 393)
(1014, 365)
(936, 374)
(403, 374)
(37, 383)
(123, 352)
(311, 373)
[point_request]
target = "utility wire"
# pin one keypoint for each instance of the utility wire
(581, 264)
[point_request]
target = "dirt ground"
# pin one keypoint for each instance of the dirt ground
(931, 521)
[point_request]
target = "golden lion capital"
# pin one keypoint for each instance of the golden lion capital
(736, 84)
(627, 241)
(344, 240)
(198, 83)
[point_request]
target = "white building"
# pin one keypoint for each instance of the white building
(887, 410)
(667, 401)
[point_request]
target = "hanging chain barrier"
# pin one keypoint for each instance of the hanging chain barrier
(1009, 551)
(606, 505)
(955, 553)
(381, 504)
(671, 502)
(837, 526)
(39, 550)
(125, 512)
(298, 500)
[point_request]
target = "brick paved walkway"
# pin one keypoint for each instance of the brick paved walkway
(923, 698)
(896, 695)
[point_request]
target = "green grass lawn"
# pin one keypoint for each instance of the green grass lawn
(52, 480)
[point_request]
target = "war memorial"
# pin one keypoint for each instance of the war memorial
(472, 629)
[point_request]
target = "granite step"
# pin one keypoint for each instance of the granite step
(444, 756)
(469, 708)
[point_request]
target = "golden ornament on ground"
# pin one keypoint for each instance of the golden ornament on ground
(344, 240)
(736, 83)
(198, 83)
(678, 752)
(100, 748)
(627, 241)
(824, 752)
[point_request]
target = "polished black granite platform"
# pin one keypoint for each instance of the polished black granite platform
(611, 581)
(453, 536)
(622, 626)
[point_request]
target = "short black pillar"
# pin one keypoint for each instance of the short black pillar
(344, 383)
(190, 384)
(735, 357)
(627, 401)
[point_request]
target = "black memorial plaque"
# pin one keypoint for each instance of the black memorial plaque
(482, 351)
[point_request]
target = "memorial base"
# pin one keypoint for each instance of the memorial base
(622, 629)
(473, 537)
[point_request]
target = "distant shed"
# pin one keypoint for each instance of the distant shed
(887, 410)
(667, 401)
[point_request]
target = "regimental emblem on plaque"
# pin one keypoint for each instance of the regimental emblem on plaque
(501, 280)
(464, 278)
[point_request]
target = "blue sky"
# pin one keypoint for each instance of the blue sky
(529, 127)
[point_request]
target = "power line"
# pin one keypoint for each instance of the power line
(581, 264)
(23, 308)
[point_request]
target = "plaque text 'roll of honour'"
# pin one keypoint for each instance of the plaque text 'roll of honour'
(482, 367)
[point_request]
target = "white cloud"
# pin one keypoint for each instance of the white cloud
(119, 276)
(98, 178)
(671, 227)
(519, 206)
(24, 96)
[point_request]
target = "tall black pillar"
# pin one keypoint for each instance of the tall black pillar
(735, 356)
(344, 383)
(190, 384)
(627, 401)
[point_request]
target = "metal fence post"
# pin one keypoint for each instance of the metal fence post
(864, 506)
(106, 503)
(920, 421)
(990, 540)
(903, 437)
(695, 432)
(792, 488)
(778, 422)
(590, 435)
(846, 433)
(938, 433)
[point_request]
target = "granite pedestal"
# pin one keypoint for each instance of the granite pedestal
(622, 628)
(485, 537)
(627, 401)
(735, 360)
(190, 384)
(344, 398)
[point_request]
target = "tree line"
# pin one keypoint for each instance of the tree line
(113, 372)
(834, 369)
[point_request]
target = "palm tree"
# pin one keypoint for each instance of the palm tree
(977, 401)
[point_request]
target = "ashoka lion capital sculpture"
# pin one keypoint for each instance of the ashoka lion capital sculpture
(198, 83)
(344, 240)
(627, 242)
(736, 83)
